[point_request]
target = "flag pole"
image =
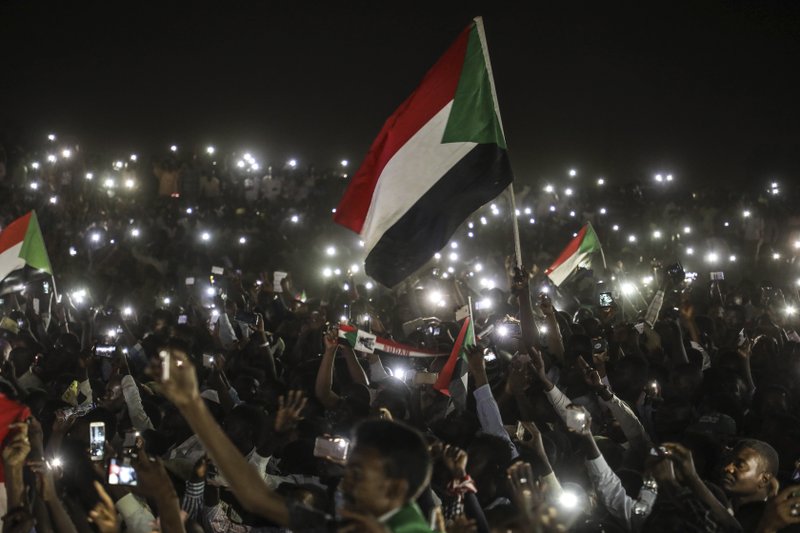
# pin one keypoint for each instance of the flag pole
(469, 308)
(515, 226)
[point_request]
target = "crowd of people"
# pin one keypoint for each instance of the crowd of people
(186, 367)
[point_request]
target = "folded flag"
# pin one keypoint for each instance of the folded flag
(21, 244)
(578, 253)
(439, 157)
(452, 379)
(367, 342)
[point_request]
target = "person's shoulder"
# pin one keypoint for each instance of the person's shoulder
(409, 519)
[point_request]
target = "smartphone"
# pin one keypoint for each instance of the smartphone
(46, 287)
(332, 448)
(97, 440)
(653, 389)
(105, 350)
(717, 276)
(599, 345)
(520, 432)
(489, 356)
(425, 378)
(659, 451)
(247, 318)
(165, 362)
(577, 418)
(277, 277)
(190, 281)
(208, 360)
(183, 319)
(129, 444)
(120, 472)
(606, 299)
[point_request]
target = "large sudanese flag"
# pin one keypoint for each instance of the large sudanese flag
(438, 158)
(21, 244)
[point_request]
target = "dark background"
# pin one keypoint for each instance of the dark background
(706, 90)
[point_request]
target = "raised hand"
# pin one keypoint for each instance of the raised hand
(104, 514)
(290, 409)
(455, 460)
(781, 511)
(17, 450)
(181, 386)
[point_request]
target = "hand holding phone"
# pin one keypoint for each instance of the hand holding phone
(334, 449)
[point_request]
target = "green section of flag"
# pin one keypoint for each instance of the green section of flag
(469, 340)
(33, 250)
(473, 117)
(590, 242)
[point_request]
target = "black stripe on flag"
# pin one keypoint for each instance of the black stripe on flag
(424, 229)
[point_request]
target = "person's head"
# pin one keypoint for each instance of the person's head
(389, 466)
(751, 471)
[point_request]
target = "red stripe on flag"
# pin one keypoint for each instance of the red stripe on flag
(571, 248)
(436, 90)
(14, 232)
(446, 375)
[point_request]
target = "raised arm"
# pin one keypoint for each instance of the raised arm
(323, 388)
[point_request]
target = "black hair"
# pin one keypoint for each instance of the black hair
(404, 452)
(769, 457)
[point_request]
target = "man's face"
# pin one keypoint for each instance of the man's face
(744, 474)
(366, 487)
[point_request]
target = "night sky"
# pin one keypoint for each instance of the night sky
(706, 90)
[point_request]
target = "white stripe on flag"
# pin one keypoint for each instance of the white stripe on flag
(562, 271)
(10, 260)
(409, 174)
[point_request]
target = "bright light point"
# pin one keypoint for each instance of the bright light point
(453, 245)
(470, 234)
(51, 158)
(242, 240)
(572, 213)
(135, 232)
(631, 238)
(647, 279)
(690, 251)
(726, 224)
(712, 257)
(109, 183)
(89, 176)
(206, 236)
(51, 137)
(601, 181)
(189, 210)
(776, 256)
(615, 227)
(532, 220)
(796, 244)
(327, 272)
(134, 157)
(210, 150)
(95, 237)
(552, 209)
(656, 234)
(453, 256)
(517, 212)
(573, 172)
(127, 311)
(568, 191)
(568, 500)
(451, 270)
(66, 153)
(72, 251)
(255, 167)
(659, 178)
(484, 221)
(548, 188)
(248, 157)
(775, 191)
(53, 200)
(669, 177)
(330, 250)
(543, 329)
(129, 183)
(471, 225)
(361, 244)
(240, 164)
(337, 271)
(344, 162)
(295, 219)
(173, 148)
(774, 184)
(790, 310)
(35, 165)
(369, 285)
(732, 259)
(210, 291)
(627, 288)
(603, 211)
(333, 210)
(545, 289)
(167, 300)
(293, 163)
(435, 297)
(485, 303)
(478, 267)
(437, 256)
(687, 230)
(502, 331)
(746, 214)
